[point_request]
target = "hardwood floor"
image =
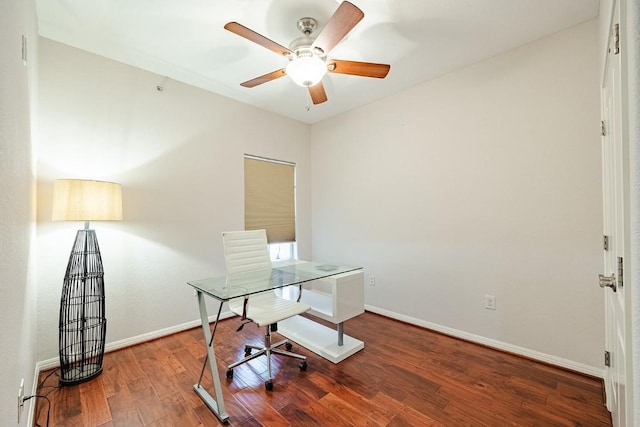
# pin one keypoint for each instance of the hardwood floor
(405, 376)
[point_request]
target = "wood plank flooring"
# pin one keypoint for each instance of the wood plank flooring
(405, 376)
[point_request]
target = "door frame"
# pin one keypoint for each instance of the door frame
(629, 20)
(630, 15)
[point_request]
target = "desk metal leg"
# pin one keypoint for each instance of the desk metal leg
(341, 334)
(216, 405)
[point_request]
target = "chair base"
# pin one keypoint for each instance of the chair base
(267, 350)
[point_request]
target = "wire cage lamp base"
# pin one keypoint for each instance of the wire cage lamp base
(83, 323)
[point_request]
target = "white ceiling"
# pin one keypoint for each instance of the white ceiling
(185, 40)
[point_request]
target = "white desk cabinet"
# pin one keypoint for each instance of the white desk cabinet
(333, 299)
(337, 298)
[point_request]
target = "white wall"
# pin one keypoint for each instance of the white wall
(484, 181)
(17, 207)
(178, 154)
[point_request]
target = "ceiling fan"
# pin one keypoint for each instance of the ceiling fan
(307, 55)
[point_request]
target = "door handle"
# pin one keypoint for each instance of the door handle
(607, 281)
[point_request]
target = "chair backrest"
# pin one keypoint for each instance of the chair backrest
(246, 250)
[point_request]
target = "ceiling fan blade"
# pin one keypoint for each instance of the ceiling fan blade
(251, 35)
(355, 68)
(264, 78)
(343, 20)
(318, 95)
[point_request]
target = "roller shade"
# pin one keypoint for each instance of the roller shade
(269, 199)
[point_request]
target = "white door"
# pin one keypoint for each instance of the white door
(612, 279)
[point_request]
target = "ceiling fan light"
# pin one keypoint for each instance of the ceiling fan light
(306, 70)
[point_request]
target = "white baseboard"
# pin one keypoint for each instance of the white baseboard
(32, 402)
(522, 351)
(128, 342)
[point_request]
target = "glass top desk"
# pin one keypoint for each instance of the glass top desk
(243, 285)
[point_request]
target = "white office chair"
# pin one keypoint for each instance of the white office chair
(249, 251)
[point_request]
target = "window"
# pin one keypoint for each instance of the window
(283, 251)
(269, 203)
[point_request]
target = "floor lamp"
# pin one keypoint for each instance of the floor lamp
(83, 324)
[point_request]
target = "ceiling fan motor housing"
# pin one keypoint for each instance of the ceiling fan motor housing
(301, 45)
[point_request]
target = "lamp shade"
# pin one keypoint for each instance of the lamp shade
(85, 200)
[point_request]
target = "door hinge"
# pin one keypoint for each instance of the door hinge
(603, 129)
(616, 39)
(605, 243)
(620, 272)
(607, 358)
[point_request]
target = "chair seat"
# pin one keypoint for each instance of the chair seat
(267, 309)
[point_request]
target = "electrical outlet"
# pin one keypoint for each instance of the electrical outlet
(20, 400)
(489, 302)
(372, 280)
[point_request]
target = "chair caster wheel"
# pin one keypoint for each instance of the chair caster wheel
(229, 373)
(247, 351)
(303, 365)
(288, 346)
(268, 385)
